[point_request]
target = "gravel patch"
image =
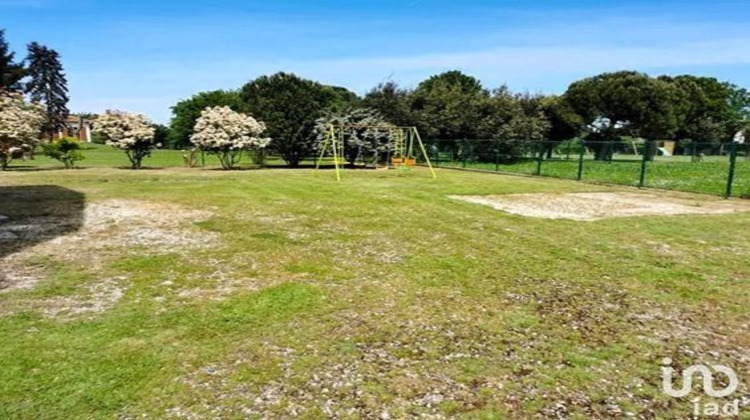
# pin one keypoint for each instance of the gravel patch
(603, 205)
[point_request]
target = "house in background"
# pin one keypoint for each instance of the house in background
(78, 127)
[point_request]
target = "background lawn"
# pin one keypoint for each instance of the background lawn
(101, 156)
(670, 173)
(665, 172)
(283, 293)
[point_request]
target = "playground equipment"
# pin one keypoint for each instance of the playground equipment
(664, 151)
(403, 146)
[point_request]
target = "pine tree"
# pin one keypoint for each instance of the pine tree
(11, 73)
(48, 85)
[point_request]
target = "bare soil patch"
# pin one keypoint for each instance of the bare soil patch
(602, 205)
(106, 229)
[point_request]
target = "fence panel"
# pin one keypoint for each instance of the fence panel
(741, 185)
(612, 162)
(562, 160)
(695, 167)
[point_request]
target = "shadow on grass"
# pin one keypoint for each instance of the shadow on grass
(27, 168)
(35, 214)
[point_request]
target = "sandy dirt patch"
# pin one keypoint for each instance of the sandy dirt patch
(602, 205)
(111, 224)
(101, 231)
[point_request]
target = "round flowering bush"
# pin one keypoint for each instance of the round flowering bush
(227, 133)
(132, 133)
(20, 125)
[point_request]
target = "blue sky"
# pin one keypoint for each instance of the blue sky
(143, 56)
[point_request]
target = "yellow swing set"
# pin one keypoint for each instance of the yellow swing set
(404, 142)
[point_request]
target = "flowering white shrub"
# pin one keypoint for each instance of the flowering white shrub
(133, 133)
(20, 124)
(227, 133)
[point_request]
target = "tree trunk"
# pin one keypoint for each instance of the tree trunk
(602, 150)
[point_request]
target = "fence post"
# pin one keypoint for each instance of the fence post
(732, 163)
(581, 154)
(497, 156)
(465, 154)
(693, 156)
(644, 159)
(540, 158)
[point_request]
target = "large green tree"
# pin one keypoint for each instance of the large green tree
(290, 105)
(49, 86)
(739, 109)
(11, 72)
(564, 123)
(450, 105)
(739, 102)
(703, 108)
(391, 102)
(709, 111)
(624, 103)
(342, 98)
(516, 122)
(185, 113)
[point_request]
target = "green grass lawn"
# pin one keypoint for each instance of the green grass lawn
(281, 293)
(100, 156)
(671, 173)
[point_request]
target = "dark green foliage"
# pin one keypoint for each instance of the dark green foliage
(739, 102)
(449, 106)
(67, 150)
(392, 103)
(161, 136)
(625, 103)
(342, 98)
(455, 106)
(289, 106)
(186, 113)
(565, 123)
(11, 72)
(49, 86)
(514, 120)
(702, 107)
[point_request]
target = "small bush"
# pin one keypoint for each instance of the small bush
(190, 157)
(67, 150)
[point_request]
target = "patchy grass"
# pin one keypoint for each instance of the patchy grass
(282, 293)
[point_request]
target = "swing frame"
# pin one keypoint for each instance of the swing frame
(402, 155)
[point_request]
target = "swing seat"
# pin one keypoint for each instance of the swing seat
(397, 161)
(410, 162)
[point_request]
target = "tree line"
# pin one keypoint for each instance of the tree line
(41, 77)
(456, 106)
(447, 106)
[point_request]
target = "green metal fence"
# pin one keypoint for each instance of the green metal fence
(710, 168)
